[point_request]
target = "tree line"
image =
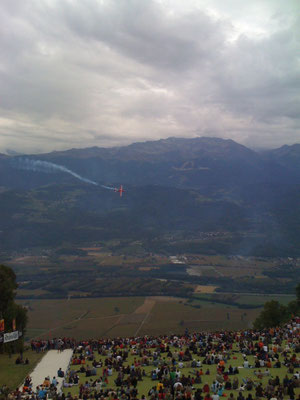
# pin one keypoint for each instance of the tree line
(12, 315)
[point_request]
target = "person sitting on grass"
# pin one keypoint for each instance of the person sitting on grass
(82, 369)
(235, 383)
(240, 396)
(259, 392)
(198, 378)
(207, 397)
(18, 360)
(220, 391)
(154, 375)
(97, 364)
(228, 385)
(277, 364)
(268, 364)
(28, 381)
(205, 388)
(52, 393)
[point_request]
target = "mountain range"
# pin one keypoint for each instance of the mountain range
(175, 187)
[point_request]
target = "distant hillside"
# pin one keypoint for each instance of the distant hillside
(174, 188)
(182, 163)
(286, 156)
(261, 220)
(167, 148)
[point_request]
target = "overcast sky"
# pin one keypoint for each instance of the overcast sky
(80, 73)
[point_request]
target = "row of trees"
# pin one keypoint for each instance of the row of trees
(275, 314)
(9, 310)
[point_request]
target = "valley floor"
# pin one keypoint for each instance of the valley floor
(129, 316)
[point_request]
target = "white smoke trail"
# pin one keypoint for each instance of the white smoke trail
(49, 167)
(45, 166)
(108, 187)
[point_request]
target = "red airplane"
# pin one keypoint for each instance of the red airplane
(120, 190)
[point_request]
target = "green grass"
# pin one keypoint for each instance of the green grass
(13, 375)
(147, 383)
(244, 299)
(263, 298)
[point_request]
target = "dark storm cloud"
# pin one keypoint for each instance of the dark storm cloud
(91, 72)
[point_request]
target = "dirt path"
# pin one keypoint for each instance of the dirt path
(146, 306)
(114, 325)
(142, 323)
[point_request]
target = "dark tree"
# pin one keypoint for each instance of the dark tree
(298, 292)
(8, 286)
(9, 310)
(273, 314)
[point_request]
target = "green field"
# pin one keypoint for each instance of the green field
(167, 317)
(127, 316)
(262, 298)
(77, 318)
(12, 375)
(237, 300)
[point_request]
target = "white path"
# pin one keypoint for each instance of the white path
(49, 365)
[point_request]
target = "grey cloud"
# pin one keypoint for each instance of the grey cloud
(83, 73)
(138, 30)
(261, 78)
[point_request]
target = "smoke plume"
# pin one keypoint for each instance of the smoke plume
(48, 167)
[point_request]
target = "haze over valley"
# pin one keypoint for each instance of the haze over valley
(199, 218)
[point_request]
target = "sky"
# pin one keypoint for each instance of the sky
(81, 73)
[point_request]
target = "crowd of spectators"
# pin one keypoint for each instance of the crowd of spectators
(52, 344)
(243, 365)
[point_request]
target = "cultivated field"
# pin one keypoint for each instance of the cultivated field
(129, 316)
(227, 266)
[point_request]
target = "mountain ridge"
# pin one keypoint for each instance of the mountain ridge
(142, 143)
(176, 162)
(146, 148)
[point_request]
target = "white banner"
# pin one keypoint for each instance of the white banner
(11, 336)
